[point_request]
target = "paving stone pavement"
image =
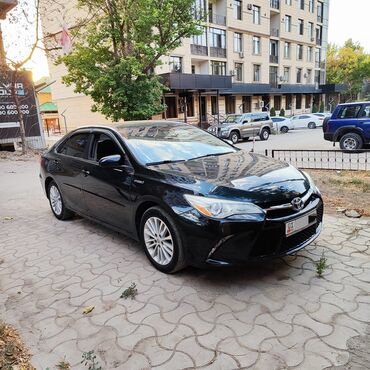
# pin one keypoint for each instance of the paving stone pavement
(275, 315)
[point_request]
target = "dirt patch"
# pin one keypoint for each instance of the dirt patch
(17, 155)
(13, 353)
(344, 189)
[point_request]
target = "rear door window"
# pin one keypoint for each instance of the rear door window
(349, 111)
(365, 113)
(304, 117)
(75, 146)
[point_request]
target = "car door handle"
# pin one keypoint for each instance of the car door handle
(86, 173)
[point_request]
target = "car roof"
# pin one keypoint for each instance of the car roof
(355, 102)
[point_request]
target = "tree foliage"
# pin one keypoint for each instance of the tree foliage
(114, 59)
(348, 64)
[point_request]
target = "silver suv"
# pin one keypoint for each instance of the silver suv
(244, 126)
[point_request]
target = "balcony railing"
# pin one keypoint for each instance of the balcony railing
(199, 49)
(275, 4)
(274, 59)
(319, 18)
(217, 19)
(274, 32)
(318, 41)
(217, 52)
(273, 80)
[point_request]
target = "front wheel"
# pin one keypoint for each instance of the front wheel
(312, 125)
(284, 129)
(60, 211)
(162, 241)
(234, 137)
(351, 141)
(265, 134)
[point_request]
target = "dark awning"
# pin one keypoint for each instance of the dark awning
(334, 88)
(189, 81)
(258, 88)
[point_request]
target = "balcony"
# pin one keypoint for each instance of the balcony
(217, 52)
(6, 6)
(217, 19)
(274, 32)
(199, 50)
(274, 59)
(275, 4)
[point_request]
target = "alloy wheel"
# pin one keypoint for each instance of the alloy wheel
(158, 240)
(55, 200)
(350, 143)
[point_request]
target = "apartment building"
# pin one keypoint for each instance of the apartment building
(252, 55)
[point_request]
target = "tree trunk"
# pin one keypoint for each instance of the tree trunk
(22, 130)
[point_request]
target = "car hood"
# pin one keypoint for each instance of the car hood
(239, 175)
(226, 124)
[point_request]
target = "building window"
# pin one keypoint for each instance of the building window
(237, 9)
(286, 74)
(311, 31)
(256, 45)
(317, 58)
(318, 35)
(309, 76)
(298, 101)
(299, 75)
(319, 11)
(288, 102)
(300, 26)
(301, 4)
(230, 104)
(277, 102)
(288, 2)
(256, 73)
(311, 5)
(199, 7)
(176, 64)
(308, 101)
(287, 50)
(288, 23)
(238, 44)
(300, 52)
(218, 68)
(193, 69)
(218, 38)
(239, 72)
(200, 39)
(310, 54)
(256, 14)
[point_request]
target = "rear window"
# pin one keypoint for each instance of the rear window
(349, 111)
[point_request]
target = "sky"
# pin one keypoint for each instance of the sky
(347, 19)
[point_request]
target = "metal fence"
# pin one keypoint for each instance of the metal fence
(323, 159)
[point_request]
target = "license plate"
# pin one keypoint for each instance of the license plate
(294, 226)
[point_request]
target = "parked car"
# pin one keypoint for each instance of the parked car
(189, 197)
(322, 116)
(282, 124)
(243, 126)
(306, 121)
(349, 125)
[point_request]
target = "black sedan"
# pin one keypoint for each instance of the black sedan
(189, 197)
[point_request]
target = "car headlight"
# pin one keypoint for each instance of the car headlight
(220, 208)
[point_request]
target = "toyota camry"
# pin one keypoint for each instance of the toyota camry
(189, 197)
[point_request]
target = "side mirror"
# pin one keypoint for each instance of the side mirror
(111, 161)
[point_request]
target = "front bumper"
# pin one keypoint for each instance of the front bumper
(224, 243)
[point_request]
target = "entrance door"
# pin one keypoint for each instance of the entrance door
(203, 109)
(171, 111)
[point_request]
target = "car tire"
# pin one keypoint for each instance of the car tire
(351, 141)
(284, 129)
(57, 205)
(156, 227)
(265, 134)
(312, 125)
(234, 137)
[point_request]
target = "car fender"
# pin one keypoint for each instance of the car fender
(347, 129)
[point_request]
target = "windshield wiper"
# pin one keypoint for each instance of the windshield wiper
(209, 155)
(164, 162)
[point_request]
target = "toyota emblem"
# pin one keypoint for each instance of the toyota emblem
(297, 204)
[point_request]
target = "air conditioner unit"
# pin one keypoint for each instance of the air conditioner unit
(305, 75)
(281, 78)
(312, 39)
(232, 72)
(249, 6)
(261, 104)
(241, 55)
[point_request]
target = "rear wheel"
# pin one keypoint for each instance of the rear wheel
(351, 141)
(312, 125)
(162, 241)
(264, 135)
(60, 211)
(284, 129)
(234, 136)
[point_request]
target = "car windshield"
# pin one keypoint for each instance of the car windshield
(233, 118)
(170, 142)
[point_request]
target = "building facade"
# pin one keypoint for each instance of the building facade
(252, 55)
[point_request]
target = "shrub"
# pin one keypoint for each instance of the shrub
(314, 108)
(282, 112)
(272, 112)
(322, 107)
